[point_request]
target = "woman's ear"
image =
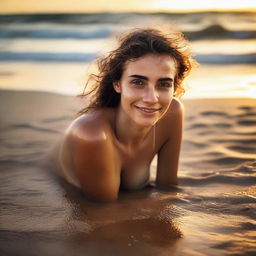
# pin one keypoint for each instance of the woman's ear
(117, 86)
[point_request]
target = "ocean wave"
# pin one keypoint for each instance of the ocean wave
(103, 32)
(115, 18)
(49, 31)
(227, 58)
(87, 57)
(219, 32)
(48, 57)
(67, 18)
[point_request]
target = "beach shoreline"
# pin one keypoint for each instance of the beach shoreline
(211, 212)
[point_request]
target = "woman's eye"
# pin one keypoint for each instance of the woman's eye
(165, 84)
(137, 82)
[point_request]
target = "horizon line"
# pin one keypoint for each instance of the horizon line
(245, 10)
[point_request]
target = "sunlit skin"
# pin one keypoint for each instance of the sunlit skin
(112, 149)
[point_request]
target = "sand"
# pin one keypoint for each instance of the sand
(211, 212)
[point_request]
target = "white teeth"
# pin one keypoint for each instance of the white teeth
(148, 110)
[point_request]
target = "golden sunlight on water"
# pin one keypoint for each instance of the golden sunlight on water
(229, 47)
(215, 81)
(55, 64)
(61, 78)
(15, 6)
(207, 4)
(207, 81)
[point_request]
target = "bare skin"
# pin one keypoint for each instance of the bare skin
(109, 149)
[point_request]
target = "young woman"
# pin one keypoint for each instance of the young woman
(132, 117)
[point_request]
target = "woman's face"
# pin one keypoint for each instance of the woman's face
(146, 88)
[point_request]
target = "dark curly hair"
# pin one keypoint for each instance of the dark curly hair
(133, 45)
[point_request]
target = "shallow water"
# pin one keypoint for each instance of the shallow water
(211, 212)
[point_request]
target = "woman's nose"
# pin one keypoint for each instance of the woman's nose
(150, 95)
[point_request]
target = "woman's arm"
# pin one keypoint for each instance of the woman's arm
(94, 160)
(168, 155)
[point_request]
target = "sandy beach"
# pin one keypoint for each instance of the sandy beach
(211, 212)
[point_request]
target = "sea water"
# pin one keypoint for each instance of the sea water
(56, 52)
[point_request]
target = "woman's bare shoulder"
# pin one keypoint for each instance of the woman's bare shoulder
(171, 123)
(175, 111)
(176, 106)
(90, 126)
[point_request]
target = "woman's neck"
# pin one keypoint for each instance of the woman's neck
(128, 132)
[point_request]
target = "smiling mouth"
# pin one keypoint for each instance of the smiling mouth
(148, 110)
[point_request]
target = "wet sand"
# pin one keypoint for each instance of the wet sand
(211, 212)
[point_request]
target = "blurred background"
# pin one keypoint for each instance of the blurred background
(50, 45)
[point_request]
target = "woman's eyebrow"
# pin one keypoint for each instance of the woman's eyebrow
(165, 79)
(140, 77)
(146, 78)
